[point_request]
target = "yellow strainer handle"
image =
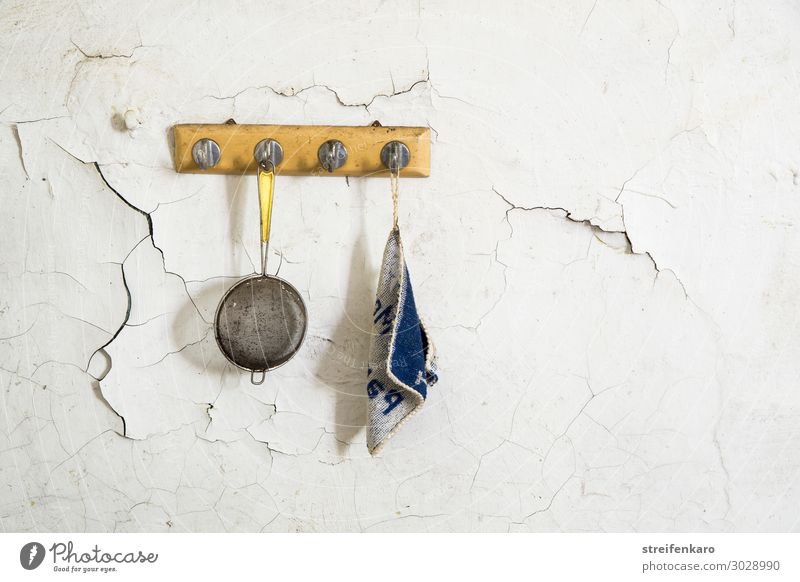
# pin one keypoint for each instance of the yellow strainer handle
(266, 186)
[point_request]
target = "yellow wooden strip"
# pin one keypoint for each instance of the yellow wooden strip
(300, 144)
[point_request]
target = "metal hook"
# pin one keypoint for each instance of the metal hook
(395, 156)
(205, 153)
(332, 155)
(268, 152)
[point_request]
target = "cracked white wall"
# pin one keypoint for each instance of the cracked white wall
(606, 254)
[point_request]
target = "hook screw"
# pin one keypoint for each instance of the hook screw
(332, 155)
(205, 153)
(395, 156)
(268, 152)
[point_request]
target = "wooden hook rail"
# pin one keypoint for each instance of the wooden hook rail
(355, 151)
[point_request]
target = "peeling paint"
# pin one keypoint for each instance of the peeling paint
(606, 251)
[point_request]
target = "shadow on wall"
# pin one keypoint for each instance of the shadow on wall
(210, 296)
(189, 315)
(202, 306)
(344, 357)
(341, 360)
